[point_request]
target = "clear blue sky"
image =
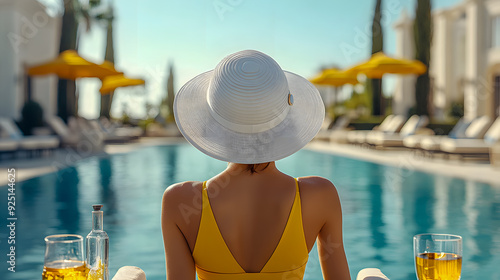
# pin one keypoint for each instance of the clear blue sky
(195, 35)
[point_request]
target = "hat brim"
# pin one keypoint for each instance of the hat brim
(301, 124)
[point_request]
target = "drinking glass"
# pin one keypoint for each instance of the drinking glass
(64, 258)
(438, 256)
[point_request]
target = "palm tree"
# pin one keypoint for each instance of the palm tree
(423, 37)
(107, 99)
(74, 12)
(377, 46)
(66, 88)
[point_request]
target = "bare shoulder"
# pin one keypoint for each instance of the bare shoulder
(320, 205)
(317, 186)
(318, 193)
(181, 195)
(181, 190)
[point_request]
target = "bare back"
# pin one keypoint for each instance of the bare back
(251, 211)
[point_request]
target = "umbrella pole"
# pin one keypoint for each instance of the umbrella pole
(106, 104)
(110, 103)
(377, 97)
(382, 98)
(77, 99)
(62, 100)
(66, 99)
(336, 96)
(71, 98)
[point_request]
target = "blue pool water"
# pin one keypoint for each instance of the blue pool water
(383, 208)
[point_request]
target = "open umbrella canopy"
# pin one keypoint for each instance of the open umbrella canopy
(110, 83)
(335, 77)
(110, 66)
(380, 64)
(69, 65)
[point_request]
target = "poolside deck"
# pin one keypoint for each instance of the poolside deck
(27, 168)
(480, 171)
(468, 170)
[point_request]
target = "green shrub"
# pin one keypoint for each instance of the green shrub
(32, 116)
(456, 110)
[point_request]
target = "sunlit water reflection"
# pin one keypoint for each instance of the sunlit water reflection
(383, 208)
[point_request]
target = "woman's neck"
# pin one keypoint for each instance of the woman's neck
(260, 168)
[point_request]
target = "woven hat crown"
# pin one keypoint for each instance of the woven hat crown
(248, 92)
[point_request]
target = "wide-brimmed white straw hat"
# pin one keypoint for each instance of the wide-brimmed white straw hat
(248, 110)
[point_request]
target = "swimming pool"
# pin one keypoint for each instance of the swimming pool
(383, 208)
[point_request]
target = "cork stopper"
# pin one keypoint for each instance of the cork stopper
(97, 207)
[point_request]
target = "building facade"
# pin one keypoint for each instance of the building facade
(29, 36)
(465, 60)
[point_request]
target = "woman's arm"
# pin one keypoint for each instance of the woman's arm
(330, 244)
(179, 261)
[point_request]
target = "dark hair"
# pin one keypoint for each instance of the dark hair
(253, 167)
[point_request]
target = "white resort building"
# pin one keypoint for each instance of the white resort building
(29, 36)
(465, 60)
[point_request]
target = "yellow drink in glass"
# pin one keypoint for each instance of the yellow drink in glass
(65, 270)
(438, 256)
(438, 266)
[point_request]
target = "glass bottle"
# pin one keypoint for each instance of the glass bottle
(97, 248)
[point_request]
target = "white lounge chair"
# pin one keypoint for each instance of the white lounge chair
(67, 137)
(411, 126)
(119, 129)
(335, 132)
(473, 147)
(458, 131)
(390, 124)
(28, 143)
(8, 146)
(109, 136)
(475, 130)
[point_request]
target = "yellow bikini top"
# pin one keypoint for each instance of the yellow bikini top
(214, 260)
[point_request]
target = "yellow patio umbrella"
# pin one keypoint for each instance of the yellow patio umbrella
(335, 77)
(110, 66)
(69, 65)
(380, 64)
(110, 83)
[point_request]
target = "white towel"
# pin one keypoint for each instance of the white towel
(130, 273)
(371, 274)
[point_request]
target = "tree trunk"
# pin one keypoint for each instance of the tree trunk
(423, 35)
(66, 96)
(422, 86)
(377, 102)
(107, 99)
(377, 46)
